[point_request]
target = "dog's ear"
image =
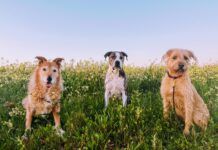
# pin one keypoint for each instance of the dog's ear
(166, 55)
(107, 54)
(125, 55)
(58, 61)
(191, 55)
(41, 59)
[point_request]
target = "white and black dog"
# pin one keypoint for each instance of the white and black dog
(115, 81)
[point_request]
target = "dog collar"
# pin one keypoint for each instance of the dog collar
(173, 77)
(174, 90)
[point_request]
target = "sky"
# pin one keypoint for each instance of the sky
(87, 29)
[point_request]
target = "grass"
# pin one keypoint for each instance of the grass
(89, 126)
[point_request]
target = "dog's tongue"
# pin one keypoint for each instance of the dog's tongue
(48, 85)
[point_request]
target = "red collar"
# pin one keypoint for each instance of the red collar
(173, 77)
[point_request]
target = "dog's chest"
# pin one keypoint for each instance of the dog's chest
(47, 104)
(115, 84)
(45, 107)
(175, 95)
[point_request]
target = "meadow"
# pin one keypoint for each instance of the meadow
(88, 125)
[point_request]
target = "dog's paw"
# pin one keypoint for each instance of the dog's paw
(26, 135)
(166, 117)
(60, 132)
(186, 132)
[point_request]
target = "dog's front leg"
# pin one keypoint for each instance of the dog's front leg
(166, 108)
(188, 115)
(56, 118)
(29, 116)
(106, 98)
(124, 98)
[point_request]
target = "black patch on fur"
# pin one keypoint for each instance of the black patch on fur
(128, 100)
(108, 54)
(122, 74)
(124, 54)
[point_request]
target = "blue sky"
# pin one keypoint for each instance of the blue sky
(83, 29)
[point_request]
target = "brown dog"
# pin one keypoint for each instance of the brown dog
(177, 91)
(44, 91)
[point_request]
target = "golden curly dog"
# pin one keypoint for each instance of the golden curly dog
(44, 91)
(177, 91)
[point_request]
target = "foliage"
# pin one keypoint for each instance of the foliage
(88, 125)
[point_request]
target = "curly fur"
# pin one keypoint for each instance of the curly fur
(41, 99)
(188, 103)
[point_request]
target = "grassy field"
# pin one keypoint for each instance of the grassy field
(86, 122)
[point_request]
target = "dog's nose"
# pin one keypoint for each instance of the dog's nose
(49, 79)
(117, 64)
(181, 66)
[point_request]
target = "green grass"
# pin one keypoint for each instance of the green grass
(86, 122)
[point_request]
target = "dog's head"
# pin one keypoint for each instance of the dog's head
(116, 59)
(178, 60)
(49, 72)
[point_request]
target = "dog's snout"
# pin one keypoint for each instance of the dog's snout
(181, 65)
(117, 63)
(49, 79)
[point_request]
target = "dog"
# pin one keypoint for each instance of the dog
(116, 81)
(44, 91)
(178, 92)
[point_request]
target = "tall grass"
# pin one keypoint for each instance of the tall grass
(86, 122)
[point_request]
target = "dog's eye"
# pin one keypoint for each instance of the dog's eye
(113, 56)
(174, 57)
(185, 57)
(54, 70)
(121, 57)
(44, 69)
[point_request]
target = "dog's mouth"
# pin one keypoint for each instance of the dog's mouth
(181, 70)
(116, 68)
(48, 85)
